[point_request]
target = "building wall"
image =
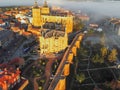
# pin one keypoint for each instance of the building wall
(50, 45)
(61, 84)
(118, 31)
(113, 26)
(36, 13)
(66, 21)
(45, 10)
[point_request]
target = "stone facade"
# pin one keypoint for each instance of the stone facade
(53, 41)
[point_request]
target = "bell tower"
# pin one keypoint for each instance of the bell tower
(45, 4)
(45, 10)
(36, 14)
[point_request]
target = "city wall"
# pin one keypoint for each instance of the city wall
(59, 81)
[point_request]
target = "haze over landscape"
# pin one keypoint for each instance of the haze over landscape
(103, 7)
(59, 45)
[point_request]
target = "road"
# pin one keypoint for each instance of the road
(112, 72)
(89, 65)
(93, 69)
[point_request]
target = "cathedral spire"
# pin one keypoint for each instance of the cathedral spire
(45, 4)
(35, 4)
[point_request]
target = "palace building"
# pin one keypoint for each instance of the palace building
(41, 15)
(53, 41)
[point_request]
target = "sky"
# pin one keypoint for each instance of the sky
(30, 2)
(105, 7)
(26, 2)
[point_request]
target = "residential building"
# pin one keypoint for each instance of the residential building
(114, 25)
(10, 79)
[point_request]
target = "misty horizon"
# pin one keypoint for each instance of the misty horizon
(106, 7)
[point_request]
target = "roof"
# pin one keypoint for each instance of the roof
(1, 21)
(35, 5)
(9, 76)
(53, 33)
(114, 21)
(45, 4)
(117, 24)
(26, 33)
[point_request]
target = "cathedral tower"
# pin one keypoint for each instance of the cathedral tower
(36, 13)
(45, 10)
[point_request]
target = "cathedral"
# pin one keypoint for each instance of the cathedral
(42, 14)
(51, 40)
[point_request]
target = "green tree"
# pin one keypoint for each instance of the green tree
(101, 60)
(113, 55)
(40, 88)
(80, 77)
(97, 59)
(104, 51)
(77, 24)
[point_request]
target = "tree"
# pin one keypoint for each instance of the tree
(40, 88)
(97, 59)
(77, 25)
(104, 51)
(101, 60)
(102, 39)
(80, 77)
(113, 55)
